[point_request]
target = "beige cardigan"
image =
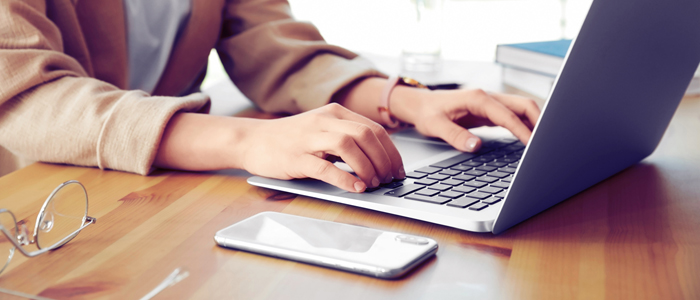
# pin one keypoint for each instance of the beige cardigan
(63, 74)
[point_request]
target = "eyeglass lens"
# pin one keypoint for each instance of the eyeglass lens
(7, 249)
(64, 213)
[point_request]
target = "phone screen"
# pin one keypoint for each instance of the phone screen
(347, 247)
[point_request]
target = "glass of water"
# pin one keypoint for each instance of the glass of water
(421, 28)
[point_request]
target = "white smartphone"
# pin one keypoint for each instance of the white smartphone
(345, 247)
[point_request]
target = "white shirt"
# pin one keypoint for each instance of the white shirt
(152, 29)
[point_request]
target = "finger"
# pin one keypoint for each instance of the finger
(317, 168)
(397, 168)
(502, 116)
(344, 145)
(368, 142)
(524, 107)
(455, 135)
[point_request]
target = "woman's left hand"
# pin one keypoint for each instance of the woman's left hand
(447, 113)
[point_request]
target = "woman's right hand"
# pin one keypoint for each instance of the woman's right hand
(298, 147)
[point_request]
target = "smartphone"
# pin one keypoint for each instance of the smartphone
(340, 246)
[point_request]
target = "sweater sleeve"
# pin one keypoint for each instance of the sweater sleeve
(52, 111)
(281, 64)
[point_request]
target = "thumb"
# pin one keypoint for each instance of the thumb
(457, 136)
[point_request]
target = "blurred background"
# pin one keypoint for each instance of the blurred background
(471, 29)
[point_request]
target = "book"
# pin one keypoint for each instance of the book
(533, 67)
(539, 57)
(537, 84)
(540, 85)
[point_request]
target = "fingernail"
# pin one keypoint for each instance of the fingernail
(360, 186)
(471, 144)
(375, 181)
(402, 173)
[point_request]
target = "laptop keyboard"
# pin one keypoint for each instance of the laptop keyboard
(472, 181)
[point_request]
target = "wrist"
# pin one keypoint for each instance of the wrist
(199, 142)
(406, 103)
(239, 141)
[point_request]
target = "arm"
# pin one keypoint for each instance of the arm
(52, 110)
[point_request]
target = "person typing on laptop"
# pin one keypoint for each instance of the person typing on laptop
(114, 85)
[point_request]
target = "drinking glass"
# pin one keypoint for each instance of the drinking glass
(421, 29)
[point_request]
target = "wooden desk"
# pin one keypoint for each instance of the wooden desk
(635, 235)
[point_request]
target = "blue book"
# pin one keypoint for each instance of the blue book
(545, 58)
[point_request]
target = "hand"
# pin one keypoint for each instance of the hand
(446, 114)
(297, 147)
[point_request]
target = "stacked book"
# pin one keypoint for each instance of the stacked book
(533, 67)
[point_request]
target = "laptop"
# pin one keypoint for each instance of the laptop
(622, 80)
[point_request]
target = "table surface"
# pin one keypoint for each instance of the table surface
(634, 235)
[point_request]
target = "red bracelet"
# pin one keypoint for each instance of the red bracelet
(384, 103)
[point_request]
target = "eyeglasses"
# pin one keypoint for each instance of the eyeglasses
(61, 218)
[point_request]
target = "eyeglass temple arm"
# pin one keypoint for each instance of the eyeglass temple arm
(89, 221)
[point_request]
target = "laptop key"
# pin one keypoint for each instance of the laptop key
(501, 184)
(436, 200)
(439, 176)
(404, 190)
(485, 168)
(429, 170)
(451, 194)
(478, 195)
(496, 164)
(515, 147)
(478, 206)
(472, 163)
(498, 174)
(474, 183)
(490, 190)
(492, 200)
(453, 160)
(463, 189)
(392, 185)
(450, 172)
(463, 177)
(475, 172)
(488, 179)
(369, 189)
(427, 192)
(461, 168)
(440, 187)
(507, 170)
(483, 159)
(501, 194)
(416, 175)
(514, 155)
(425, 181)
(462, 202)
(508, 159)
(452, 182)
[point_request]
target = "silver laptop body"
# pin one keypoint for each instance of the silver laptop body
(622, 80)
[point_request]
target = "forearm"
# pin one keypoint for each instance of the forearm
(200, 142)
(363, 97)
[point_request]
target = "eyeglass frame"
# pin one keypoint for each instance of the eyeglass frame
(21, 240)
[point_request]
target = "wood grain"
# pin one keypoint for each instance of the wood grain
(633, 236)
